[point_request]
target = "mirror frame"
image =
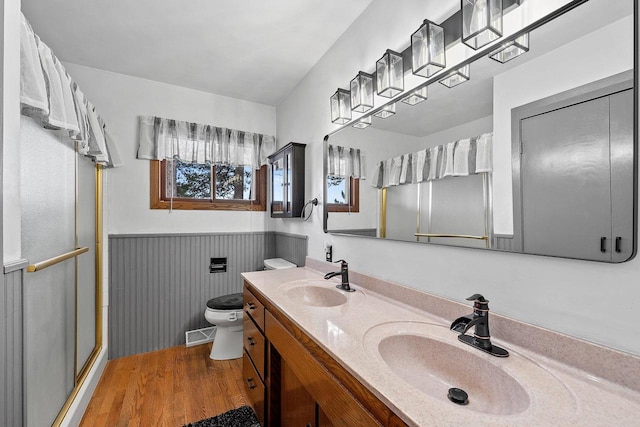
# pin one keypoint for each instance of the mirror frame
(478, 55)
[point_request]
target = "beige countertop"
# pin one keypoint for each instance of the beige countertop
(366, 335)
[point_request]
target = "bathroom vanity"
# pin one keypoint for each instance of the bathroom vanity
(384, 355)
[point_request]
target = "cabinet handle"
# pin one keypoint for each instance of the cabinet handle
(251, 383)
(603, 244)
(251, 341)
(251, 306)
(618, 244)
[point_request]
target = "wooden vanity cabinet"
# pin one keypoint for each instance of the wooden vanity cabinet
(305, 386)
(253, 360)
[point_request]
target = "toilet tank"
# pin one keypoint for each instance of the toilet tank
(278, 264)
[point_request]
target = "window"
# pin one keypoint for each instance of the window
(343, 194)
(191, 186)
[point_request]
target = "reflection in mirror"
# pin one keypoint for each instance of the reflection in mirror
(512, 158)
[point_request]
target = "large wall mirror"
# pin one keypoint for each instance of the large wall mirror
(536, 155)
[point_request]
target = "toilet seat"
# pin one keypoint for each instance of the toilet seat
(226, 302)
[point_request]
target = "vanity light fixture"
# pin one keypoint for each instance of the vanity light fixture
(481, 22)
(512, 49)
(416, 96)
(362, 92)
(387, 111)
(362, 123)
(389, 74)
(340, 107)
(427, 49)
(457, 76)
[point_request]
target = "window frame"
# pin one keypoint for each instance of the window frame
(354, 199)
(158, 199)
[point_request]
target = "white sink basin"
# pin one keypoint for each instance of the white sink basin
(430, 359)
(318, 293)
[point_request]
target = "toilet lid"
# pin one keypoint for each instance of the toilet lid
(226, 302)
(278, 264)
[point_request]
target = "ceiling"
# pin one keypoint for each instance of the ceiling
(254, 50)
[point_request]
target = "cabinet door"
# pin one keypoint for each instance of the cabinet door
(622, 175)
(278, 181)
(297, 407)
(565, 164)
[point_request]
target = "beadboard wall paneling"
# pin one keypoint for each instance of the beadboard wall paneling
(291, 247)
(11, 399)
(159, 284)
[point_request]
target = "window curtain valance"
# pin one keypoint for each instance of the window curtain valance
(162, 139)
(464, 157)
(345, 162)
(49, 95)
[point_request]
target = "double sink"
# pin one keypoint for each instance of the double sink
(426, 359)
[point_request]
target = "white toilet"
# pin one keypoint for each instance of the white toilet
(278, 264)
(225, 313)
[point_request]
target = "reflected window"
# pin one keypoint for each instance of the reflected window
(343, 194)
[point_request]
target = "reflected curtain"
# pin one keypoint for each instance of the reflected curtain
(345, 162)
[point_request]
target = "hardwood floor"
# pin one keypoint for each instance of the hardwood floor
(169, 387)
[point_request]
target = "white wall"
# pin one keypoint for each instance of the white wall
(591, 300)
(120, 99)
(595, 56)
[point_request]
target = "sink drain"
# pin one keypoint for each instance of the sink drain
(458, 396)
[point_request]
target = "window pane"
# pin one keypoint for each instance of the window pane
(234, 182)
(193, 181)
(336, 190)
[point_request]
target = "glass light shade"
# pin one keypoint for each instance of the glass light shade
(387, 111)
(512, 49)
(481, 22)
(362, 92)
(427, 49)
(389, 74)
(340, 107)
(416, 97)
(363, 123)
(456, 77)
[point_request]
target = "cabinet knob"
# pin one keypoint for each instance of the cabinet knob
(251, 383)
(251, 341)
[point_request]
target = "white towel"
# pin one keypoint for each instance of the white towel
(112, 149)
(447, 164)
(405, 174)
(484, 152)
(70, 115)
(97, 144)
(435, 160)
(395, 170)
(83, 124)
(420, 165)
(56, 118)
(462, 158)
(376, 181)
(33, 88)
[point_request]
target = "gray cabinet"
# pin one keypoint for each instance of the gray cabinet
(287, 181)
(578, 159)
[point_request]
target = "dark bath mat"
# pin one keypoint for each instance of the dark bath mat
(239, 417)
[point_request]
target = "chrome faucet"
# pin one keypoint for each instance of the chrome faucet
(344, 272)
(481, 338)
